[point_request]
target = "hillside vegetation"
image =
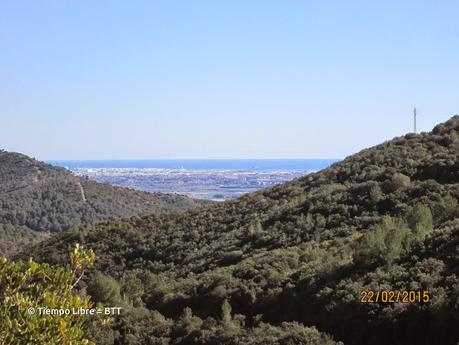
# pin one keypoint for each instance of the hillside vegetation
(287, 265)
(37, 199)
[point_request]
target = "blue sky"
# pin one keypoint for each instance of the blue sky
(211, 79)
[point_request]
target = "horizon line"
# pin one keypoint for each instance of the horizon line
(182, 159)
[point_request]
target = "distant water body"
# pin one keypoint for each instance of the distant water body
(198, 164)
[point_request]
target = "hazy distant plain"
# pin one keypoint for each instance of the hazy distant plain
(202, 179)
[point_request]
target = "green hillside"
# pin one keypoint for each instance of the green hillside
(259, 269)
(37, 199)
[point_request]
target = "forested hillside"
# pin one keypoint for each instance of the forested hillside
(259, 269)
(37, 199)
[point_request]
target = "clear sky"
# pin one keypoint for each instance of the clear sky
(222, 79)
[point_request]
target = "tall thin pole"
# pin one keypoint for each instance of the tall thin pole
(414, 120)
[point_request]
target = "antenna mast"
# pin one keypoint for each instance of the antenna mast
(414, 111)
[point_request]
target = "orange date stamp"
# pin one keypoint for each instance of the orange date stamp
(394, 296)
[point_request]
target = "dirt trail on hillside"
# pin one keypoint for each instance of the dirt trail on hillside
(80, 187)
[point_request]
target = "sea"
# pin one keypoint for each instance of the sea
(193, 164)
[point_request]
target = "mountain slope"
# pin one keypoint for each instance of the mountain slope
(383, 219)
(37, 199)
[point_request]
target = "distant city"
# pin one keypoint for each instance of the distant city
(216, 180)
